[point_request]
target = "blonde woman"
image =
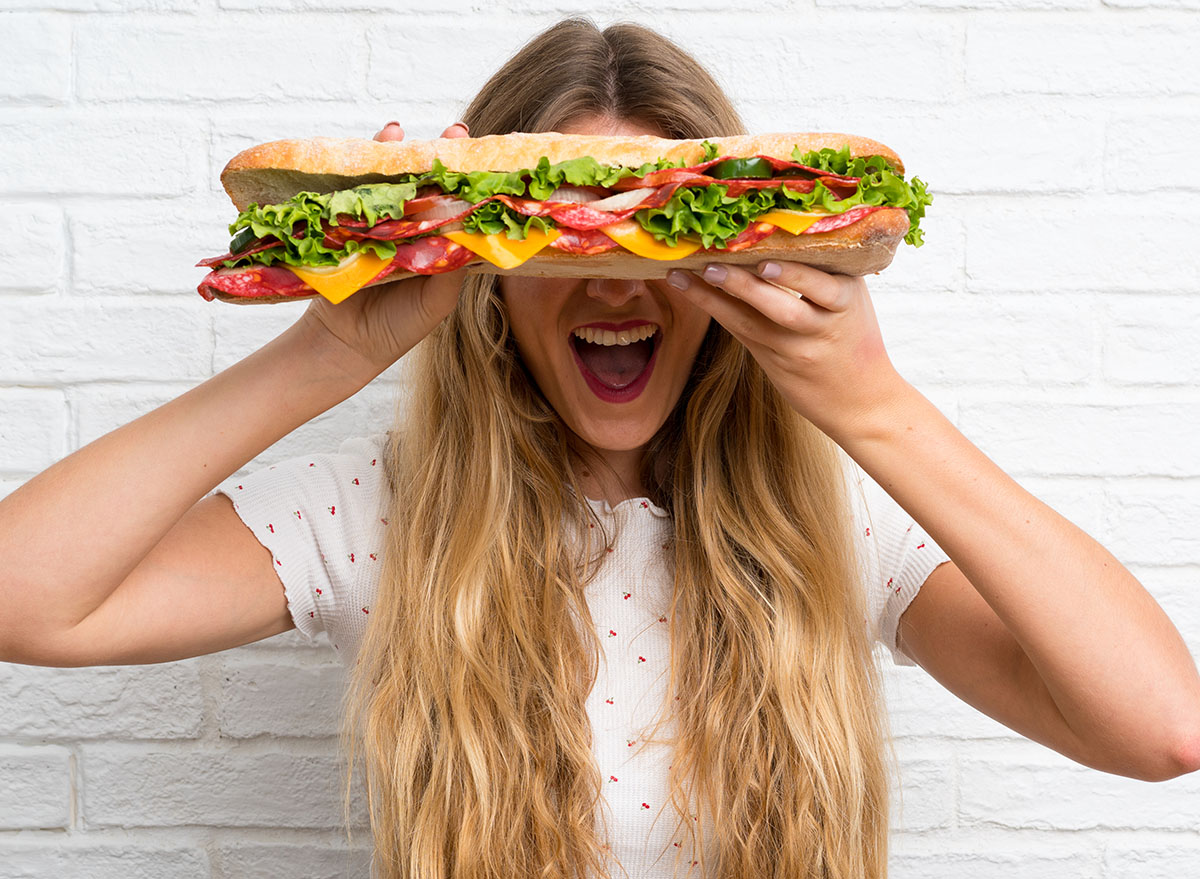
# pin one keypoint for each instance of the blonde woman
(593, 637)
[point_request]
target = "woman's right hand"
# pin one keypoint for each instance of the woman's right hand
(376, 326)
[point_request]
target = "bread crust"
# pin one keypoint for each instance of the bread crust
(858, 249)
(273, 172)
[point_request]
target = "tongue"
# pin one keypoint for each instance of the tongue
(615, 365)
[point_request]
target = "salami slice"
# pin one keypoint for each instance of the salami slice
(837, 221)
(426, 256)
(584, 241)
(263, 244)
(753, 234)
(254, 282)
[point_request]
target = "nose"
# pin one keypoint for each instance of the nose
(615, 291)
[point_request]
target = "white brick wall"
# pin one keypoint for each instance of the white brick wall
(1053, 314)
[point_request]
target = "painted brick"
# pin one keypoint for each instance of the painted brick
(916, 857)
(1153, 859)
(104, 5)
(1079, 55)
(136, 702)
(1155, 522)
(33, 427)
(930, 774)
(33, 259)
(1055, 147)
(267, 698)
(988, 5)
(127, 248)
(105, 340)
(35, 787)
(102, 860)
(172, 60)
(37, 64)
(1049, 245)
(1120, 438)
(152, 788)
(1136, 144)
(1014, 788)
(1004, 339)
(1151, 340)
(294, 861)
(42, 151)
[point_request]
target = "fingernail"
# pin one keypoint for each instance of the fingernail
(393, 122)
(677, 279)
(715, 274)
(770, 271)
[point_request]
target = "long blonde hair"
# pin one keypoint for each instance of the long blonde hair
(467, 702)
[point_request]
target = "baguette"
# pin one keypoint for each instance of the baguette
(272, 173)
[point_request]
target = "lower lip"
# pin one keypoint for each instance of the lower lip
(616, 395)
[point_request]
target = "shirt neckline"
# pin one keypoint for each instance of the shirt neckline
(636, 503)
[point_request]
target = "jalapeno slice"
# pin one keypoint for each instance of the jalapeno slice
(742, 169)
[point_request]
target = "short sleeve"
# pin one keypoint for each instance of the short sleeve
(323, 519)
(899, 556)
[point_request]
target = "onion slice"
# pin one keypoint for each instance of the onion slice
(622, 200)
(450, 207)
(572, 194)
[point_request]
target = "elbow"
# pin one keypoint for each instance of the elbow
(1186, 757)
(1172, 762)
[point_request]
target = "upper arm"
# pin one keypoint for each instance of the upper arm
(208, 585)
(952, 633)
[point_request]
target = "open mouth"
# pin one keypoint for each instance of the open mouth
(616, 364)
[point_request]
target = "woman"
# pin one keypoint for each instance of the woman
(509, 512)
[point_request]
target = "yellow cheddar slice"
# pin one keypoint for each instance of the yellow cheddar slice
(630, 235)
(790, 221)
(335, 283)
(502, 251)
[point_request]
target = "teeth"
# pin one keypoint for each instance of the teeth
(608, 337)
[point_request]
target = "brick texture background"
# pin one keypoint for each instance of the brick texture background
(1053, 315)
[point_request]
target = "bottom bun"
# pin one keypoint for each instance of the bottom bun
(858, 249)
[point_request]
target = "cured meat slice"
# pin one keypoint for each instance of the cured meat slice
(253, 282)
(427, 256)
(837, 221)
(753, 234)
(584, 241)
(264, 244)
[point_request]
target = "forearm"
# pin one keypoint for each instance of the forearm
(73, 533)
(1114, 664)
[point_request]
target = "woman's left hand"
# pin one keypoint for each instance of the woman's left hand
(815, 335)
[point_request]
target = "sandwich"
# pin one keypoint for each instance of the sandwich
(330, 216)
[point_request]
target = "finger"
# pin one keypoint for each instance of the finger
(458, 129)
(816, 286)
(744, 322)
(784, 307)
(391, 131)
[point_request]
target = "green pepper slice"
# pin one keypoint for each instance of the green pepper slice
(742, 169)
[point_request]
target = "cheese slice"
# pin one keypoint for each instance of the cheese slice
(630, 235)
(335, 283)
(499, 249)
(790, 221)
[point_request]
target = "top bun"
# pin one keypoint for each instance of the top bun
(273, 172)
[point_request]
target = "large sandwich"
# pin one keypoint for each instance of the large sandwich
(329, 217)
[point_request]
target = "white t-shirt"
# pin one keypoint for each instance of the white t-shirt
(323, 517)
